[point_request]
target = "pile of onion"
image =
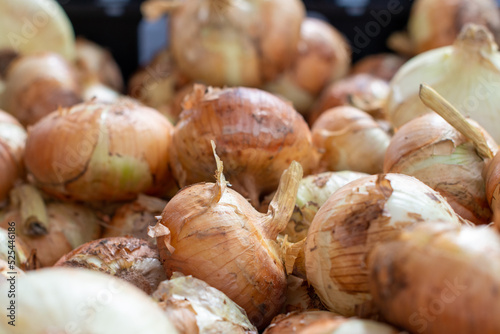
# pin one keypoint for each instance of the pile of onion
(257, 135)
(211, 232)
(363, 213)
(97, 151)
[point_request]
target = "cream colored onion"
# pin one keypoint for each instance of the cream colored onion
(194, 307)
(97, 151)
(65, 300)
(357, 217)
(465, 73)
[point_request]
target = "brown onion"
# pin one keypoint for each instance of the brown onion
(211, 232)
(257, 136)
(350, 139)
(100, 152)
(37, 85)
(380, 65)
(358, 216)
(130, 259)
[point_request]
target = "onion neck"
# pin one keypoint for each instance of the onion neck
(475, 40)
(34, 218)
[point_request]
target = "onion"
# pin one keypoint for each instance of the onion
(380, 65)
(235, 42)
(311, 322)
(38, 84)
(130, 259)
(350, 139)
(22, 256)
(358, 216)
(463, 73)
(12, 142)
(96, 151)
(51, 229)
(323, 55)
(433, 24)
(70, 300)
(258, 136)
(195, 307)
(214, 234)
(433, 278)
(362, 91)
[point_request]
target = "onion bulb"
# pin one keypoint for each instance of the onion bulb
(68, 300)
(51, 229)
(362, 91)
(465, 73)
(358, 216)
(350, 139)
(195, 307)
(438, 278)
(257, 135)
(235, 42)
(380, 65)
(213, 233)
(130, 259)
(12, 143)
(96, 151)
(323, 56)
(38, 84)
(311, 322)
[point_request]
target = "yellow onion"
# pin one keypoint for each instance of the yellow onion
(234, 42)
(130, 259)
(465, 73)
(9, 273)
(312, 322)
(362, 91)
(134, 218)
(22, 256)
(357, 217)
(51, 229)
(70, 300)
(433, 24)
(213, 233)
(323, 55)
(32, 26)
(12, 143)
(437, 278)
(350, 139)
(195, 307)
(257, 135)
(38, 84)
(380, 65)
(100, 152)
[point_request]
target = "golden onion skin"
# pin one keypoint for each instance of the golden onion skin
(257, 135)
(380, 65)
(100, 152)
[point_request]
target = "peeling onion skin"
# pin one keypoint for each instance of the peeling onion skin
(235, 43)
(38, 84)
(434, 277)
(350, 139)
(358, 216)
(380, 65)
(100, 152)
(257, 136)
(12, 144)
(69, 299)
(431, 150)
(492, 180)
(130, 259)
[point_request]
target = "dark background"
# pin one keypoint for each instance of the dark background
(118, 25)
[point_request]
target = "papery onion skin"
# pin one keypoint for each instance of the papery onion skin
(300, 296)
(351, 222)
(257, 135)
(92, 302)
(235, 43)
(431, 150)
(37, 85)
(130, 259)
(434, 277)
(100, 152)
(492, 180)
(350, 139)
(380, 65)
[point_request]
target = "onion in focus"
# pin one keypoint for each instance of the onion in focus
(358, 216)
(100, 152)
(194, 307)
(380, 65)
